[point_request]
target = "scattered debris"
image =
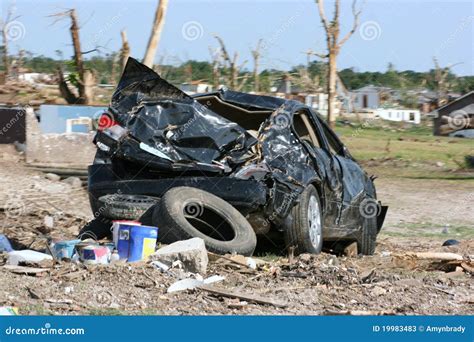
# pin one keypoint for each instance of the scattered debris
(16, 257)
(25, 270)
(351, 250)
(74, 182)
(437, 256)
(243, 296)
(192, 253)
(450, 242)
(8, 311)
(52, 176)
(190, 283)
(5, 245)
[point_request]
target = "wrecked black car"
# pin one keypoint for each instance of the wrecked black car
(226, 166)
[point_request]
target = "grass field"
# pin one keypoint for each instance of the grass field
(412, 152)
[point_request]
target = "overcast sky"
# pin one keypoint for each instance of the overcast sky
(406, 33)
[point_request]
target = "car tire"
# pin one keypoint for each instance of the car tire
(184, 213)
(305, 231)
(125, 207)
(368, 237)
(97, 229)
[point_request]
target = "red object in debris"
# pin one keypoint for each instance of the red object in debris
(106, 120)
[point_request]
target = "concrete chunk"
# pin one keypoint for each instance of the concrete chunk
(192, 253)
(74, 182)
(52, 176)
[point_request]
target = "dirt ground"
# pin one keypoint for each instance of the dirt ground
(423, 213)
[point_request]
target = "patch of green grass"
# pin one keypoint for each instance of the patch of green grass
(428, 230)
(415, 149)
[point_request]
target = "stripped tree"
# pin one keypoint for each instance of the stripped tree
(83, 79)
(334, 44)
(256, 60)
(155, 35)
(216, 65)
(441, 81)
(4, 27)
(125, 50)
(233, 69)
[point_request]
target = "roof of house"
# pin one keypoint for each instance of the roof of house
(464, 98)
(372, 88)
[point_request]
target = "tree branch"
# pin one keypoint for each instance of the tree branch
(322, 15)
(356, 15)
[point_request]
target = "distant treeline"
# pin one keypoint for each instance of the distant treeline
(108, 71)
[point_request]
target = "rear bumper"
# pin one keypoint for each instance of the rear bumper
(245, 195)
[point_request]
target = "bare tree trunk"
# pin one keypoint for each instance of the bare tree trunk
(66, 93)
(6, 61)
(215, 56)
(84, 93)
(256, 62)
(155, 35)
(332, 76)
(125, 51)
(232, 67)
(332, 29)
(85, 79)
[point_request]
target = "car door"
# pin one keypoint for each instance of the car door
(310, 134)
(353, 179)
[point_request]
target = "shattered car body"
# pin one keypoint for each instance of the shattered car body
(258, 153)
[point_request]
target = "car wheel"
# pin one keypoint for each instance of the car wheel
(185, 212)
(368, 237)
(125, 207)
(96, 229)
(306, 230)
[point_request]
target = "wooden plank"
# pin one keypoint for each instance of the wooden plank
(25, 270)
(247, 297)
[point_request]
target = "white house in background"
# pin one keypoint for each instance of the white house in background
(195, 87)
(402, 115)
(34, 77)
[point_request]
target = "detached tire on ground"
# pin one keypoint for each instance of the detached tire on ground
(305, 232)
(125, 207)
(185, 212)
